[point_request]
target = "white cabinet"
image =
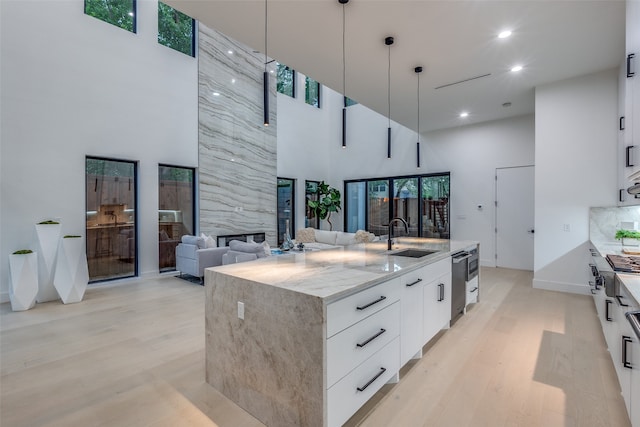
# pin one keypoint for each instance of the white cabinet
(635, 381)
(421, 317)
(471, 291)
(362, 348)
(437, 306)
(629, 95)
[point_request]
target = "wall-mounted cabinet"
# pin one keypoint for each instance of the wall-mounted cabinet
(629, 107)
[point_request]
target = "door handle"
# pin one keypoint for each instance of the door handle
(531, 231)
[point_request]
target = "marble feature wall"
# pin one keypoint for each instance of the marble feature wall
(603, 222)
(237, 153)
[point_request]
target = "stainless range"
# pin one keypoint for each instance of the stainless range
(624, 263)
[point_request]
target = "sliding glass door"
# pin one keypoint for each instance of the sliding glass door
(111, 218)
(176, 209)
(421, 200)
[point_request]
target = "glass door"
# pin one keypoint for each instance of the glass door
(176, 197)
(111, 218)
(311, 195)
(435, 206)
(405, 205)
(355, 206)
(378, 207)
(286, 207)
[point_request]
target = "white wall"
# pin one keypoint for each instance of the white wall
(472, 154)
(74, 86)
(576, 143)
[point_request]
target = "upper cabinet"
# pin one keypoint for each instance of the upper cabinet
(629, 104)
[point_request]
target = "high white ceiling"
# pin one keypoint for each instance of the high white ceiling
(452, 40)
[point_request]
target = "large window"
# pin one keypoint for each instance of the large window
(176, 30)
(176, 196)
(312, 92)
(121, 13)
(421, 200)
(311, 195)
(286, 80)
(111, 218)
(286, 208)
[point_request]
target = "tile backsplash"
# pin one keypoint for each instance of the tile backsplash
(603, 222)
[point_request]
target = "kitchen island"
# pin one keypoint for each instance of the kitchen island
(305, 339)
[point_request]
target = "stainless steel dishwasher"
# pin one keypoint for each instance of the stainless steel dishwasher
(459, 269)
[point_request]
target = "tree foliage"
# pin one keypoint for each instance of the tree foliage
(175, 29)
(120, 13)
(328, 202)
(286, 83)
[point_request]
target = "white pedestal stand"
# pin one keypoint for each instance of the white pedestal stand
(48, 237)
(72, 274)
(23, 288)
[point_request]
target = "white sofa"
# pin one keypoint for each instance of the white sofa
(192, 256)
(240, 251)
(324, 239)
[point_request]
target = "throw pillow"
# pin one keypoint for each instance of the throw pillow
(247, 247)
(364, 236)
(209, 241)
(267, 248)
(306, 235)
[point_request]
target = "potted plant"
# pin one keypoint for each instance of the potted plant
(328, 201)
(23, 272)
(628, 237)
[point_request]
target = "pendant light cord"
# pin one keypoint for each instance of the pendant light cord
(344, 66)
(389, 87)
(418, 107)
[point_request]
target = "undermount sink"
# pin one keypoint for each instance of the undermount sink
(414, 253)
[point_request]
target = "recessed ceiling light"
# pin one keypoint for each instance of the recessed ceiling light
(216, 93)
(516, 68)
(464, 114)
(504, 34)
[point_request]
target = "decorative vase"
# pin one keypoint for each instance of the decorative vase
(72, 274)
(23, 272)
(48, 239)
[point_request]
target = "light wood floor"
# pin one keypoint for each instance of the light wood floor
(133, 355)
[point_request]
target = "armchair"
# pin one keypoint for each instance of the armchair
(192, 257)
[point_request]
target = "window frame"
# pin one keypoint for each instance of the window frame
(292, 222)
(294, 78)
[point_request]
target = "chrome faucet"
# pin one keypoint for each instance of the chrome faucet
(406, 230)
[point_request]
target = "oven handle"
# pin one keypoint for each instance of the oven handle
(460, 258)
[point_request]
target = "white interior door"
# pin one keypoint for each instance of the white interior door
(514, 217)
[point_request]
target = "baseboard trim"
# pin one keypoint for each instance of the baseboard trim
(572, 288)
(4, 297)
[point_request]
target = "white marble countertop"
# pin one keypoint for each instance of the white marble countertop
(335, 273)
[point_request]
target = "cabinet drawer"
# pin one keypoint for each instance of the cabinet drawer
(344, 398)
(472, 291)
(427, 273)
(354, 345)
(347, 311)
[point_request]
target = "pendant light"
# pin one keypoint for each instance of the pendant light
(344, 78)
(389, 41)
(418, 70)
(265, 76)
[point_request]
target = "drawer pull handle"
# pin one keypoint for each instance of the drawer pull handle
(619, 298)
(473, 290)
(364, 387)
(382, 298)
(625, 362)
(441, 292)
(382, 331)
(414, 283)
(606, 310)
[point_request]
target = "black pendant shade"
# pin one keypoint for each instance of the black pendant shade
(389, 41)
(344, 78)
(418, 70)
(265, 85)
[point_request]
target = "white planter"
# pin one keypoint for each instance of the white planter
(72, 274)
(48, 239)
(626, 241)
(23, 289)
